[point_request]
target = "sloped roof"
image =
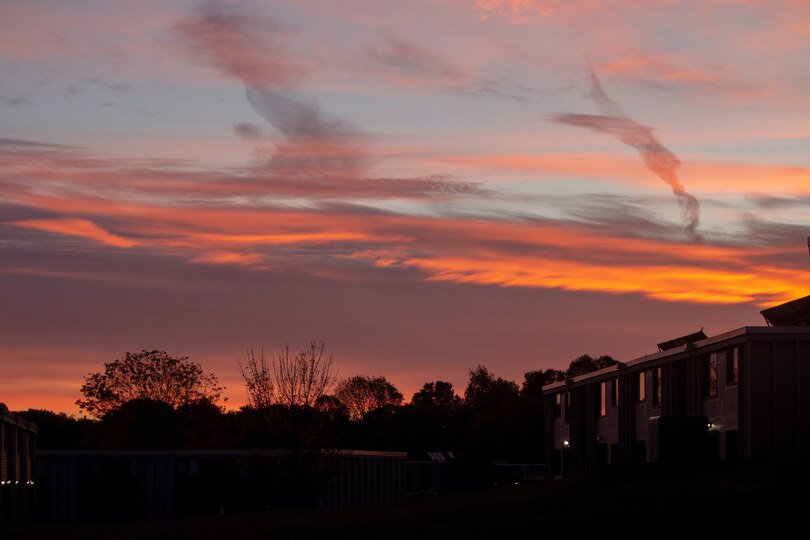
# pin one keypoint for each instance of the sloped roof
(793, 313)
(683, 340)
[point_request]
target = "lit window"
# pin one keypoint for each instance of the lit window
(642, 390)
(710, 372)
(733, 366)
(603, 399)
(557, 405)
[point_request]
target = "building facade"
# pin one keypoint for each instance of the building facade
(18, 446)
(744, 394)
(85, 486)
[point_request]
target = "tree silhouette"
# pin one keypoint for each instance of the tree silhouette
(361, 395)
(258, 380)
(533, 382)
(149, 375)
(483, 389)
(436, 394)
(300, 380)
(586, 364)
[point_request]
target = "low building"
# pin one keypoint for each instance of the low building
(86, 486)
(743, 394)
(18, 444)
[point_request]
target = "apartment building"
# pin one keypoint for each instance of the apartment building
(743, 394)
(17, 450)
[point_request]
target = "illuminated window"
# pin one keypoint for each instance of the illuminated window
(657, 387)
(641, 391)
(710, 373)
(603, 399)
(733, 366)
(557, 405)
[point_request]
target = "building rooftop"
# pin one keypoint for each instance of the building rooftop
(793, 313)
(679, 349)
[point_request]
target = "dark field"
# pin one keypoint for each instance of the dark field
(714, 502)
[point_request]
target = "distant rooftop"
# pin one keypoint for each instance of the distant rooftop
(683, 340)
(793, 313)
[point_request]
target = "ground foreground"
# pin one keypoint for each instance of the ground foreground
(648, 503)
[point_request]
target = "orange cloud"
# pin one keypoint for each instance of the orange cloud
(230, 257)
(78, 227)
(182, 213)
(712, 176)
(678, 283)
(669, 68)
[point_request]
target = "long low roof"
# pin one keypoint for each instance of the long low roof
(226, 453)
(18, 421)
(607, 372)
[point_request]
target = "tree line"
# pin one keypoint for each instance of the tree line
(152, 400)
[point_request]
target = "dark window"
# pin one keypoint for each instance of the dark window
(567, 406)
(614, 394)
(657, 387)
(733, 366)
(603, 399)
(557, 405)
(641, 388)
(710, 374)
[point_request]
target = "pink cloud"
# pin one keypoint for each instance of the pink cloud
(516, 11)
(230, 257)
(242, 44)
(78, 227)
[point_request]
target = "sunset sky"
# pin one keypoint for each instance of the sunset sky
(427, 185)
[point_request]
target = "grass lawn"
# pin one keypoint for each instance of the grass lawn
(632, 504)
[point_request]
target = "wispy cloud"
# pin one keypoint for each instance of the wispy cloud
(248, 131)
(671, 72)
(241, 43)
(406, 63)
(78, 227)
(656, 156)
(608, 245)
(318, 153)
(516, 11)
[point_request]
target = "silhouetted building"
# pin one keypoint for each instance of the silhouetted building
(117, 486)
(744, 394)
(428, 473)
(18, 443)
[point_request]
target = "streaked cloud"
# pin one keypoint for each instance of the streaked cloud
(405, 62)
(78, 227)
(656, 156)
(516, 11)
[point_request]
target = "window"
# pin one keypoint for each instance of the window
(603, 399)
(710, 373)
(557, 405)
(641, 390)
(733, 366)
(615, 392)
(567, 406)
(657, 387)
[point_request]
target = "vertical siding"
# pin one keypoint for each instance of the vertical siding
(784, 420)
(760, 412)
(802, 383)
